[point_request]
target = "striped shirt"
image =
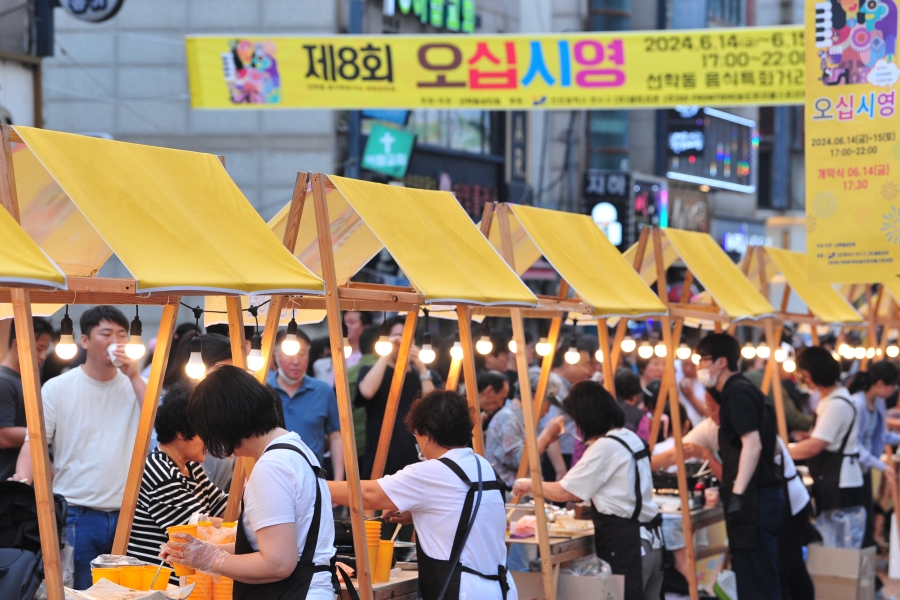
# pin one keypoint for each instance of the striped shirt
(168, 498)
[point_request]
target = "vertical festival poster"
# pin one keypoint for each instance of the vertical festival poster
(852, 147)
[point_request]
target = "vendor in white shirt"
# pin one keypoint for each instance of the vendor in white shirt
(462, 555)
(614, 476)
(831, 451)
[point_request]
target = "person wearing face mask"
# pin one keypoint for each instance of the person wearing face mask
(454, 499)
(751, 484)
(372, 393)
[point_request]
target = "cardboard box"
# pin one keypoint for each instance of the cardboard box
(842, 573)
(571, 587)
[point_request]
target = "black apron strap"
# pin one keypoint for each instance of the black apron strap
(849, 429)
(466, 520)
(312, 536)
(638, 496)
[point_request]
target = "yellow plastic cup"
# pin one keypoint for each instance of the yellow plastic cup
(181, 571)
(203, 586)
(132, 577)
(161, 582)
(384, 562)
(109, 573)
(373, 555)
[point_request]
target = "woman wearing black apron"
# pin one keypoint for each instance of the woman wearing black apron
(614, 474)
(831, 451)
(285, 536)
(455, 501)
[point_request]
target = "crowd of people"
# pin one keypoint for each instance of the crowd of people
(594, 450)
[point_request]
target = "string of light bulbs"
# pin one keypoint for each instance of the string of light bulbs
(426, 353)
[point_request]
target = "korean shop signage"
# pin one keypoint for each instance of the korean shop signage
(500, 72)
(452, 15)
(387, 150)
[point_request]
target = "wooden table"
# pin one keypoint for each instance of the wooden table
(401, 587)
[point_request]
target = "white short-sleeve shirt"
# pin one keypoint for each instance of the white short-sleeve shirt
(833, 417)
(281, 489)
(434, 495)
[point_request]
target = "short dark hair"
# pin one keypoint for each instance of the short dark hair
(582, 343)
(821, 366)
(91, 318)
(593, 409)
(491, 378)
(230, 405)
(41, 327)
(392, 321)
(171, 416)
(365, 317)
(628, 384)
(215, 348)
(717, 345)
(444, 415)
(642, 363)
(368, 338)
(500, 341)
(282, 333)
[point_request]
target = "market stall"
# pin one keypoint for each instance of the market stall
(732, 299)
(178, 223)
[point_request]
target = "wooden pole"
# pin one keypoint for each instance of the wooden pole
(273, 315)
(37, 436)
(242, 465)
(342, 386)
(393, 403)
(776, 382)
(675, 409)
(463, 316)
(541, 529)
(145, 427)
(453, 376)
(871, 339)
(609, 381)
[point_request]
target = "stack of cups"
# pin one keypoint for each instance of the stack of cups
(373, 539)
(203, 586)
(181, 571)
(223, 589)
(132, 576)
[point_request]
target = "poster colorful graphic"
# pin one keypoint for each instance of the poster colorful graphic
(724, 67)
(852, 150)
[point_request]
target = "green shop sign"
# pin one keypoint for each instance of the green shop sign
(388, 150)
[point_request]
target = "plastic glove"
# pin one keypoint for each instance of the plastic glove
(196, 554)
(522, 487)
(734, 511)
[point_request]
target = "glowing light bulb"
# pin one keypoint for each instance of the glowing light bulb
(456, 352)
(878, 352)
(660, 350)
(572, 355)
(645, 350)
(789, 365)
(290, 346)
(484, 345)
(512, 346)
(870, 352)
(748, 351)
(542, 348)
(256, 360)
(859, 353)
(66, 348)
(135, 348)
(893, 351)
(780, 355)
(845, 350)
(348, 349)
(599, 355)
(426, 354)
(383, 346)
(628, 345)
(195, 368)
(836, 356)
(695, 358)
(763, 351)
(683, 352)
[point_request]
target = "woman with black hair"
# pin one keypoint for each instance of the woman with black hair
(174, 485)
(614, 475)
(453, 498)
(869, 389)
(285, 535)
(831, 451)
(216, 351)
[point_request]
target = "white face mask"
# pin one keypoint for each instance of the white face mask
(287, 379)
(705, 379)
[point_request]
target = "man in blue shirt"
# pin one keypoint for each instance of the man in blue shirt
(310, 406)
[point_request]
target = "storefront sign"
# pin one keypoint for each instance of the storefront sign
(475, 180)
(452, 15)
(387, 150)
(736, 236)
(517, 157)
(852, 148)
(572, 71)
(95, 11)
(607, 197)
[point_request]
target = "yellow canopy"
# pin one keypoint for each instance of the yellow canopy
(175, 219)
(724, 281)
(436, 244)
(583, 256)
(22, 262)
(822, 299)
(214, 311)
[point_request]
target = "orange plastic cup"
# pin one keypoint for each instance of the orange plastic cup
(109, 573)
(132, 577)
(384, 562)
(203, 586)
(373, 556)
(161, 582)
(181, 571)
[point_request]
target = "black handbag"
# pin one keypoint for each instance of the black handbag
(21, 573)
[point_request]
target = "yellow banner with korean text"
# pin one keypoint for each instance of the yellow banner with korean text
(595, 70)
(852, 149)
